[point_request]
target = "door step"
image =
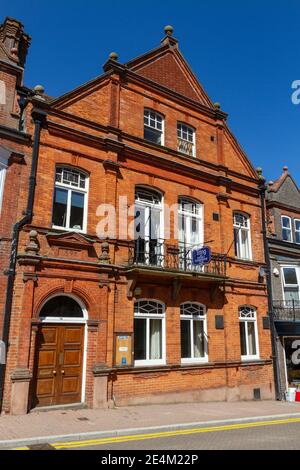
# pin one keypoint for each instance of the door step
(69, 406)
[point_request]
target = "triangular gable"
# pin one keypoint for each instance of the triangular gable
(284, 180)
(234, 153)
(69, 239)
(167, 67)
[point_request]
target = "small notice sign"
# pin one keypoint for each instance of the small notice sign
(201, 256)
(123, 349)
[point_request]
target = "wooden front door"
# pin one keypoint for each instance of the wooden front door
(59, 362)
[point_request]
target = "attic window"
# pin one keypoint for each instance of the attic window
(286, 226)
(153, 127)
(185, 139)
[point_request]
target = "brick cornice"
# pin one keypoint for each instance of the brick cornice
(279, 205)
(14, 134)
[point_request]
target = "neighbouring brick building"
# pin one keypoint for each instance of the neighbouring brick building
(283, 208)
(125, 319)
(15, 151)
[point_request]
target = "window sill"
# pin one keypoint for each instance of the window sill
(158, 362)
(77, 230)
(195, 361)
(250, 358)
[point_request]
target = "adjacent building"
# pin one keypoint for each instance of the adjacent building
(283, 208)
(15, 157)
(137, 276)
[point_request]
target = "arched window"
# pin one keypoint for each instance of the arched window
(149, 332)
(61, 306)
(190, 224)
(148, 227)
(248, 332)
(242, 238)
(70, 199)
(193, 332)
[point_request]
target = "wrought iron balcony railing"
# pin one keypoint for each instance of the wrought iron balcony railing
(185, 147)
(286, 310)
(157, 253)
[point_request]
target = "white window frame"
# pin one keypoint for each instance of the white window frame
(70, 189)
(297, 230)
(146, 206)
(148, 317)
(287, 228)
(245, 320)
(184, 236)
(246, 229)
(291, 286)
(162, 130)
(3, 168)
(180, 130)
(194, 318)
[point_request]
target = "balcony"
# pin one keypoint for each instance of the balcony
(185, 147)
(286, 310)
(160, 255)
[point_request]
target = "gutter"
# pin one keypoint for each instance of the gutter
(262, 188)
(39, 117)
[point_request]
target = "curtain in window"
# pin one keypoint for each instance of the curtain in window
(155, 339)
(251, 338)
(198, 339)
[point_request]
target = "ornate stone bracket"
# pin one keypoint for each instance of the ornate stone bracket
(131, 284)
(30, 277)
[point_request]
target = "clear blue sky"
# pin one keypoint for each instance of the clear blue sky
(245, 53)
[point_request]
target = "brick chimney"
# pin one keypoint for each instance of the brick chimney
(14, 41)
(14, 44)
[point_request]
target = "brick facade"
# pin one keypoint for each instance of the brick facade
(283, 200)
(98, 128)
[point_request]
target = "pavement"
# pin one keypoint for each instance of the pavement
(81, 424)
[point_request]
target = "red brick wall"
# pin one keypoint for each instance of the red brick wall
(111, 305)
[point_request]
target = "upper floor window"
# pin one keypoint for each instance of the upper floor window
(290, 277)
(153, 127)
(149, 332)
(148, 226)
(193, 332)
(248, 332)
(286, 228)
(297, 230)
(2, 181)
(70, 199)
(242, 239)
(190, 226)
(185, 139)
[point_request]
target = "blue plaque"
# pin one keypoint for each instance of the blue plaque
(201, 256)
(123, 360)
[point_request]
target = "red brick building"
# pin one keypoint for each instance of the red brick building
(15, 151)
(135, 319)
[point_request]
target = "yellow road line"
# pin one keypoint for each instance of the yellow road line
(21, 448)
(182, 432)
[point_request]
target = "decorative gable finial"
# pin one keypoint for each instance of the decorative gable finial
(169, 30)
(285, 169)
(113, 56)
(168, 39)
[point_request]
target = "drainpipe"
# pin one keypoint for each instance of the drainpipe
(262, 189)
(39, 117)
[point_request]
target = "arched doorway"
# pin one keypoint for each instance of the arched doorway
(60, 352)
